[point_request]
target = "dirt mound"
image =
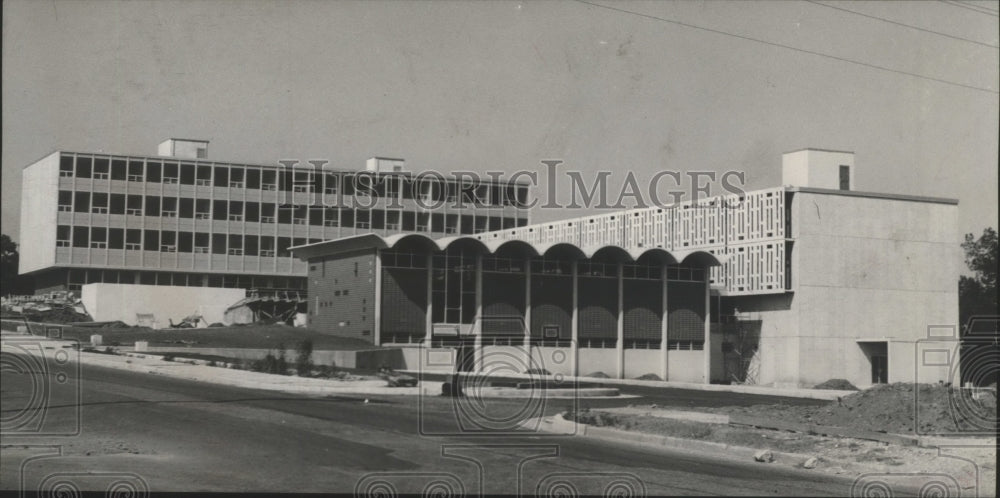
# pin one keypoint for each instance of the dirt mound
(899, 408)
(836, 385)
(599, 375)
(649, 376)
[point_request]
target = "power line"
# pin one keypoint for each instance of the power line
(972, 8)
(789, 47)
(902, 24)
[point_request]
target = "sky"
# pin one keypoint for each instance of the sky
(640, 87)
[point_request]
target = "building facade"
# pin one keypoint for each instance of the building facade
(180, 219)
(788, 286)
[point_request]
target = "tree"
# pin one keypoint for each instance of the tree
(977, 295)
(10, 281)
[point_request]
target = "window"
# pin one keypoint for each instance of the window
(186, 209)
(235, 211)
(151, 240)
(218, 243)
(185, 242)
(135, 172)
(283, 244)
(169, 207)
(316, 216)
(201, 152)
(152, 207)
(221, 176)
(253, 178)
(168, 241)
(267, 213)
(187, 174)
(66, 166)
(101, 169)
(268, 180)
(133, 239)
(252, 213)
(235, 245)
(299, 215)
(133, 205)
(203, 176)
(116, 238)
(267, 246)
(99, 203)
(118, 170)
(220, 210)
(153, 171)
(65, 200)
(362, 219)
(171, 173)
(63, 236)
(250, 245)
(117, 204)
(202, 209)
(83, 167)
(201, 243)
(236, 178)
(330, 184)
(845, 177)
(81, 202)
(81, 236)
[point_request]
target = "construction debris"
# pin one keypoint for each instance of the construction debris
(54, 307)
(280, 307)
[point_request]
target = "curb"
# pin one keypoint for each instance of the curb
(236, 378)
(820, 394)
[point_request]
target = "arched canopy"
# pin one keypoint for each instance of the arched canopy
(608, 254)
(700, 258)
(656, 255)
(562, 250)
(513, 247)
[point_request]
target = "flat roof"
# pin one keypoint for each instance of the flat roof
(187, 140)
(875, 195)
(487, 180)
(820, 150)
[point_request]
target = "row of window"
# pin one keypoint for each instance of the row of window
(75, 279)
(255, 212)
(379, 185)
(135, 239)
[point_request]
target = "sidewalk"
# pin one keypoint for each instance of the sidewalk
(969, 463)
(154, 364)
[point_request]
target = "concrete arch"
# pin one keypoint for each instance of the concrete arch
(447, 242)
(428, 243)
(701, 258)
(530, 248)
(657, 254)
(547, 249)
(616, 253)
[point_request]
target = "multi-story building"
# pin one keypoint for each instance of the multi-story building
(181, 219)
(788, 286)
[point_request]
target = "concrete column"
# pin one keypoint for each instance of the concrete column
(377, 319)
(575, 327)
(429, 319)
(527, 312)
(477, 321)
(708, 331)
(620, 344)
(664, 321)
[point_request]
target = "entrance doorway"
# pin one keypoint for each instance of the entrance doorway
(877, 353)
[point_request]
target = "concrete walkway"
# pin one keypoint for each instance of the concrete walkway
(153, 364)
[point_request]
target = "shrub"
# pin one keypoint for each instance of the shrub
(303, 358)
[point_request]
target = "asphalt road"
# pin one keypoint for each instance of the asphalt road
(140, 430)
